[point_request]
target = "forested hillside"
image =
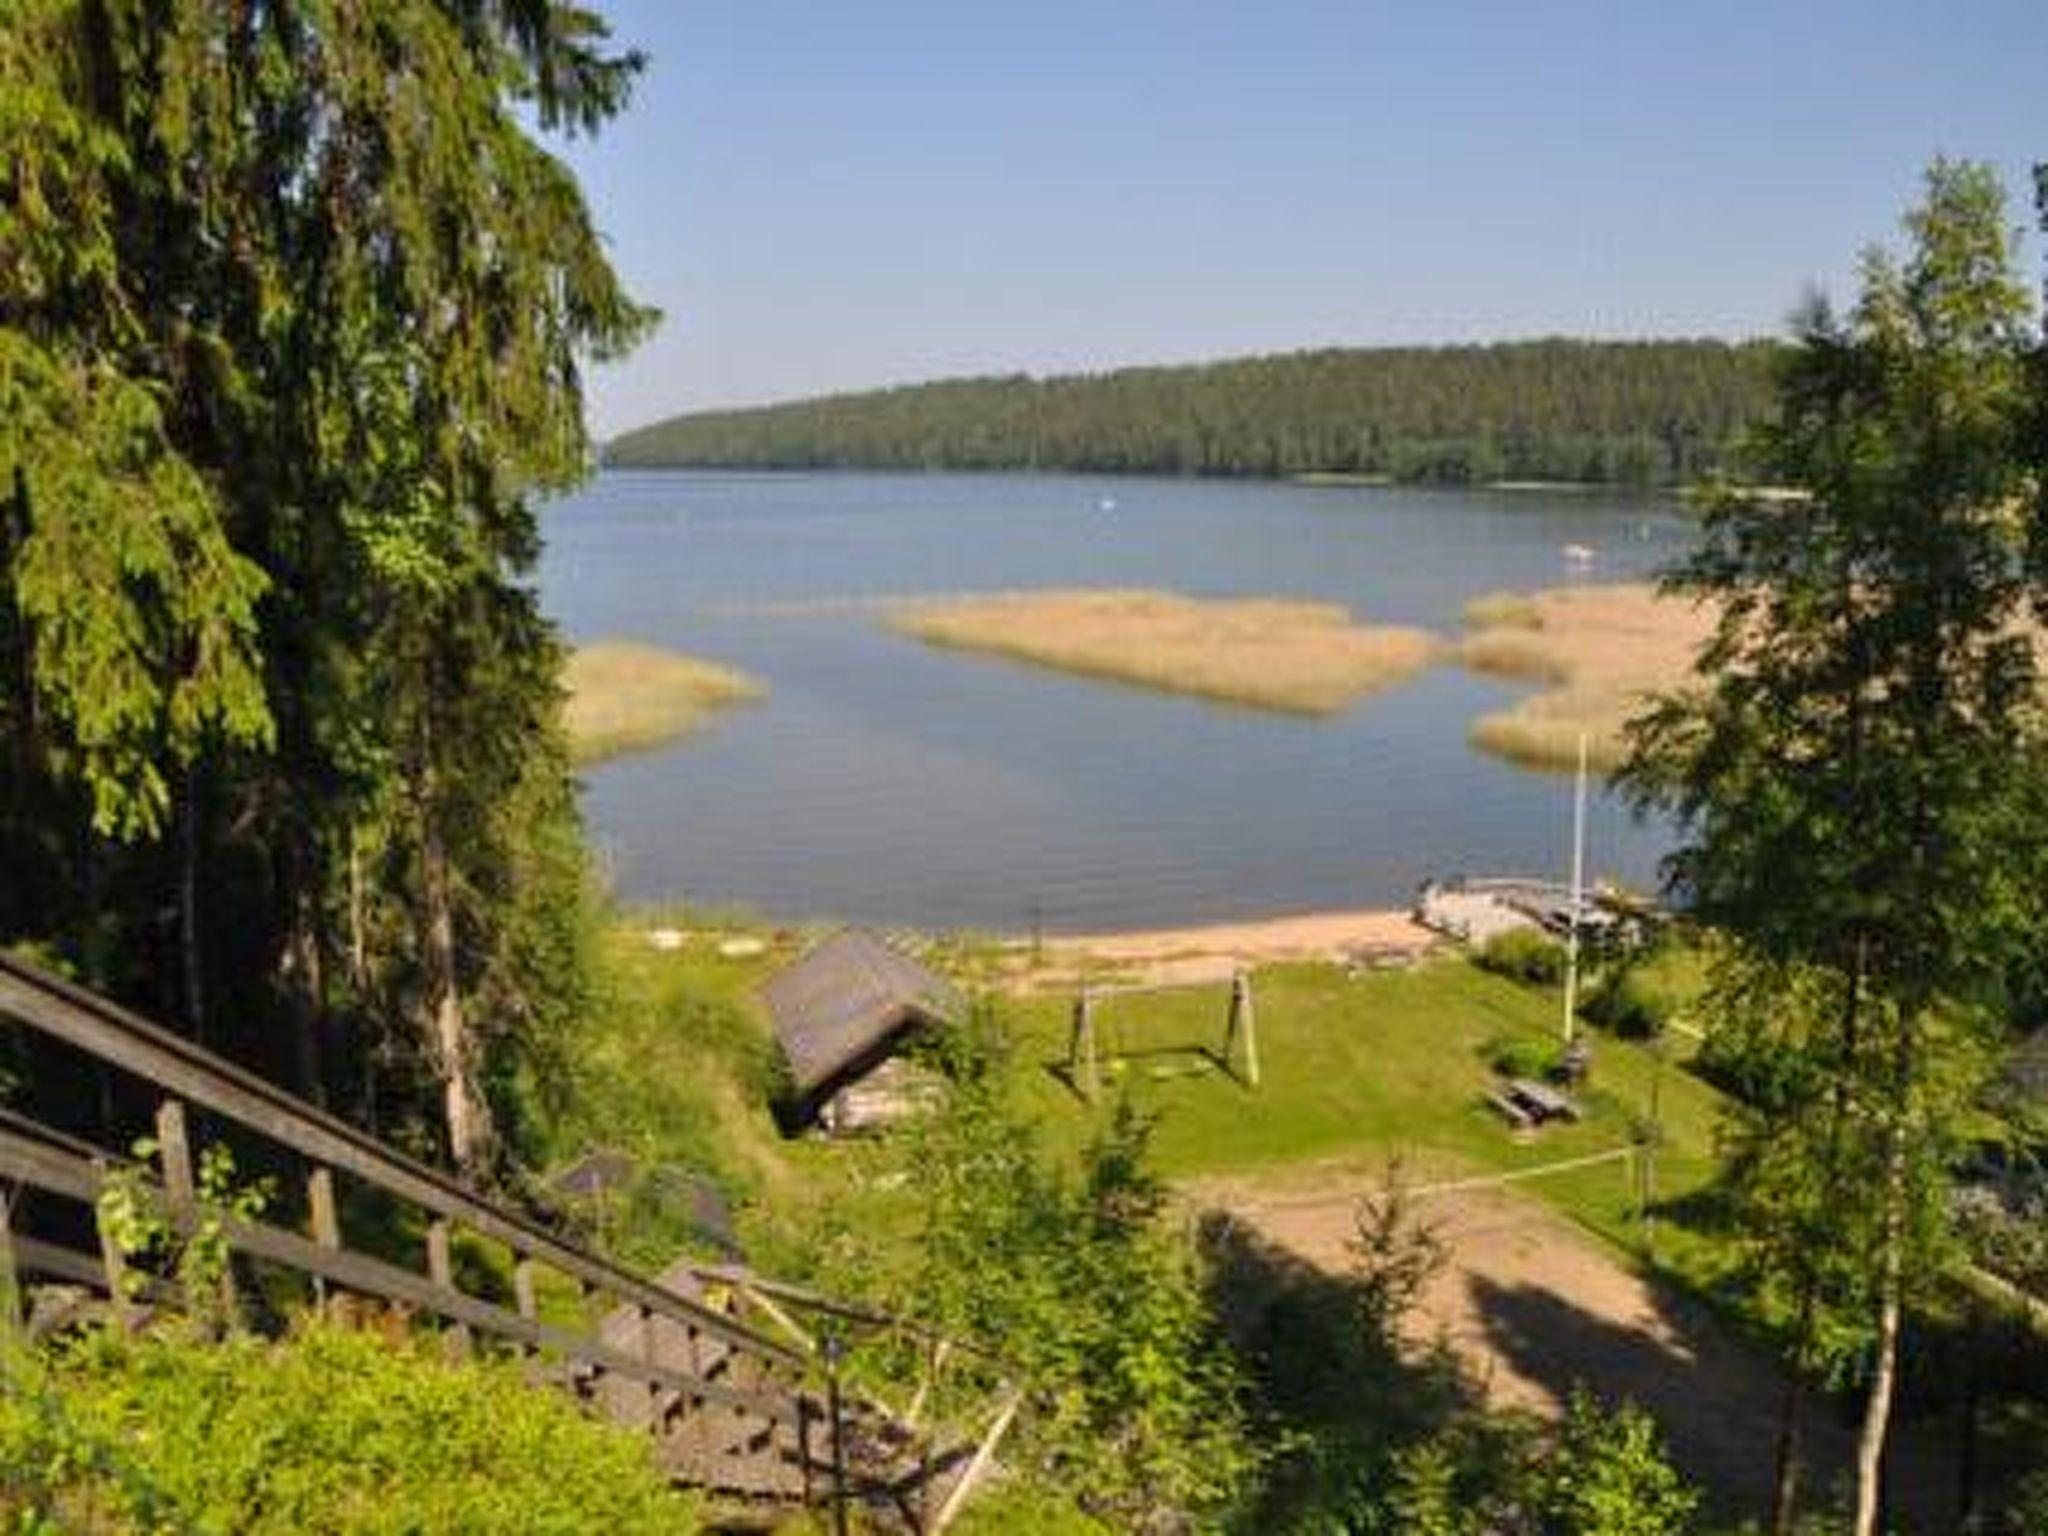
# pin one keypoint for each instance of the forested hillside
(1634, 411)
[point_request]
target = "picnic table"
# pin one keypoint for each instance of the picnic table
(1540, 1101)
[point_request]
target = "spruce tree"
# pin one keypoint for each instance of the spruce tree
(293, 306)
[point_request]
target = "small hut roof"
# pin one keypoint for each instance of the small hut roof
(840, 1004)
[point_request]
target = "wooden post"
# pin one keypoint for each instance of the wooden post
(324, 1216)
(524, 1295)
(836, 1426)
(174, 1157)
(803, 1446)
(1244, 1021)
(323, 1221)
(526, 1300)
(114, 1266)
(1081, 1049)
(934, 1362)
(181, 1189)
(649, 1351)
(441, 1270)
(978, 1465)
(10, 1287)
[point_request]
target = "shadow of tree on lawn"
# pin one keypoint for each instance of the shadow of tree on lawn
(1335, 1391)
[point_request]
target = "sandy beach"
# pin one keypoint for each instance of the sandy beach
(1213, 950)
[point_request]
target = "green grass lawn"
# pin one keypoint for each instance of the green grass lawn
(1355, 1071)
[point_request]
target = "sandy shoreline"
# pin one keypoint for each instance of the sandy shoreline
(1302, 936)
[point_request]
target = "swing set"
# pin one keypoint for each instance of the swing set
(1096, 1043)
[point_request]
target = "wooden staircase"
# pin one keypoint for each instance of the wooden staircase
(736, 1377)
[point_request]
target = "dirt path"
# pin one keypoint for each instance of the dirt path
(1533, 1305)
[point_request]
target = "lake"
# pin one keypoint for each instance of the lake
(895, 784)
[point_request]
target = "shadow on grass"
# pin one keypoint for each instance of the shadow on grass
(1155, 1063)
(1716, 1404)
(1334, 1392)
(1716, 1398)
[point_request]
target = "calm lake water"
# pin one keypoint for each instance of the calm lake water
(891, 783)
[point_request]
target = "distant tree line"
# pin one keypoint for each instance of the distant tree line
(1631, 412)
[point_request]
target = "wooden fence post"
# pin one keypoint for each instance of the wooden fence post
(324, 1219)
(1081, 1048)
(650, 1351)
(174, 1157)
(441, 1270)
(113, 1264)
(1244, 1021)
(10, 1285)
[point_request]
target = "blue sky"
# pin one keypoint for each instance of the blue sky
(828, 196)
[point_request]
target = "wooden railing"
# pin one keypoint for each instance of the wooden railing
(736, 1408)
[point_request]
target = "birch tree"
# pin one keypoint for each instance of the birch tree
(1849, 773)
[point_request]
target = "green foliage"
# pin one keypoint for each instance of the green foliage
(1856, 774)
(1525, 954)
(667, 1065)
(1076, 1280)
(326, 1430)
(193, 1246)
(1631, 1002)
(1523, 1055)
(1074, 1276)
(1634, 412)
(1606, 1473)
(1382, 1435)
(293, 306)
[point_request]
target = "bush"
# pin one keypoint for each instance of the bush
(327, 1430)
(1522, 1056)
(1629, 1002)
(1078, 1276)
(1524, 954)
(1607, 1473)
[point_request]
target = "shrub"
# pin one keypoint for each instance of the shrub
(1075, 1273)
(1629, 1002)
(327, 1430)
(1522, 1056)
(1524, 954)
(1607, 1473)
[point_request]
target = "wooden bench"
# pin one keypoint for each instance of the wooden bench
(1541, 1102)
(1511, 1112)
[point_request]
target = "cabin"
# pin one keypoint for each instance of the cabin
(844, 1014)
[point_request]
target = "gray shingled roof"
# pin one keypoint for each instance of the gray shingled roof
(842, 1001)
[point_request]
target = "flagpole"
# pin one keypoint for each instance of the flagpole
(1571, 945)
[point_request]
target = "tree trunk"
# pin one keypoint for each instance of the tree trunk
(1877, 1409)
(1792, 1422)
(306, 992)
(358, 941)
(1968, 1441)
(448, 1028)
(191, 961)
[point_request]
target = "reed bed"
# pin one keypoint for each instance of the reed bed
(627, 697)
(1598, 651)
(1269, 653)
